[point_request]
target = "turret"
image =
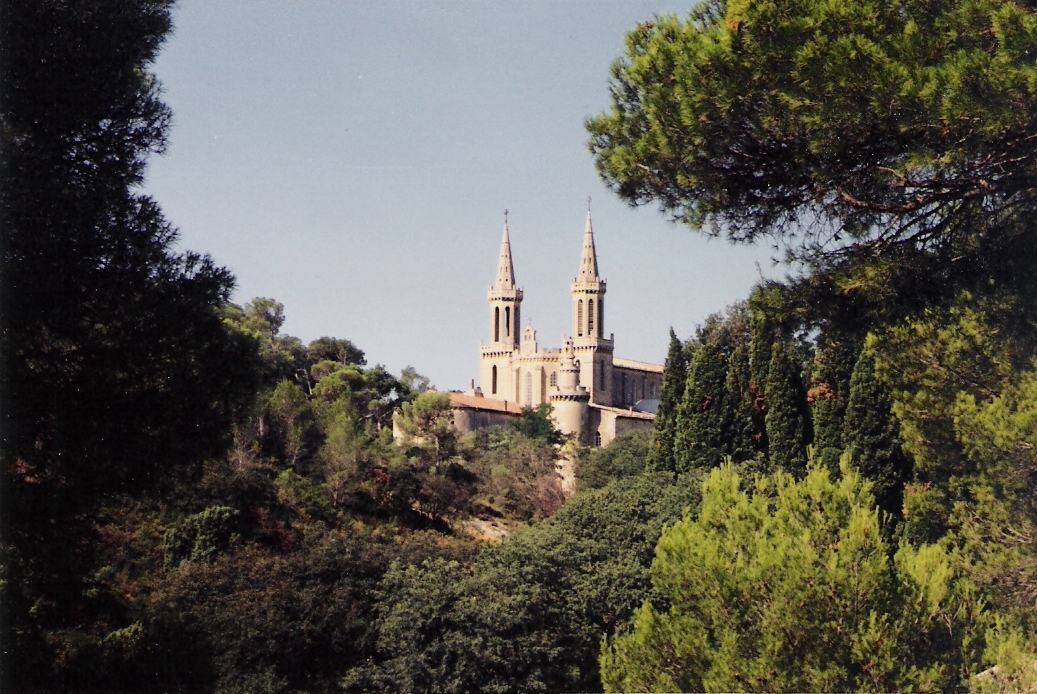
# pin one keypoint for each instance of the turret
(569, 403)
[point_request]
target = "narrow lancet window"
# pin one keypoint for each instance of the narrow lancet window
(579, 318)
(590, 318)
(493, 381)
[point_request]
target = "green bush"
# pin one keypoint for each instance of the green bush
(202, 536)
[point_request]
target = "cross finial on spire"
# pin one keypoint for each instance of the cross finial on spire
(505, 269)
(588, 258)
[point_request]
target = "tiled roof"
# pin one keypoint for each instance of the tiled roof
(627, 412)
(474, 402)
(637, 365)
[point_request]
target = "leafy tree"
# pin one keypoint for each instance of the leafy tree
(785, 420)
(675, 375)
(412, 381)
(931, 363)
(529, 614)
(201, 536)
(885, 144)
(536, 423)
(790, 587)
(625, 456)
(335, 349)
(304, 617)
(281, 356)
(428, 421)
(518, 475)
(290, 431)
(962, 391)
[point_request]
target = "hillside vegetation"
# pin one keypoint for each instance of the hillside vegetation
(838, 493)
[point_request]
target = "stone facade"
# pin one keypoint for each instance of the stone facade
(592, 393)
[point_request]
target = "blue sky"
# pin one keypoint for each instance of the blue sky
(353, 160)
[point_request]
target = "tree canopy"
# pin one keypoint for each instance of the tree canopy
(789, 586)
(878, 141)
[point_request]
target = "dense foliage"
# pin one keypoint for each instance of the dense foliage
(888, 147)
(789, 586)
(838, 492)
(887, 144)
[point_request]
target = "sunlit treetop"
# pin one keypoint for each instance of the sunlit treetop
(864, 136)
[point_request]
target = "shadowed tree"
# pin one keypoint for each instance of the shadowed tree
(118, 371)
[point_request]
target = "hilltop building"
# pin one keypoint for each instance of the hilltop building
(592, 393)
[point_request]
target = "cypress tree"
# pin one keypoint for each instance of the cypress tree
(872, 436)
(739, 429)
(833, 365)
(675, 373)
(762, 333)
(699, 430)
(785, 419)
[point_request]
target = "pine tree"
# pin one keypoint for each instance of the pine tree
(786, 400)
(699, 430)
(872, 435)
(675, 373)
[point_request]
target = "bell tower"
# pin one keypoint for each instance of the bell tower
(592, 349)
(505, 299)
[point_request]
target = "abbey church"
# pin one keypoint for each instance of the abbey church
(593, 394)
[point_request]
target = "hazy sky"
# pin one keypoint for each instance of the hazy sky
(353, 160)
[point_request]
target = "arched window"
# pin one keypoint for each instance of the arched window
(496, 329)
(507, 321)
(529, 387)
(554, 379)
(590, 317)
(597, 439)
(493, 381)
(601, 318)
(579, 318)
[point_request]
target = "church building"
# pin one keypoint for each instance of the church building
(593, 394)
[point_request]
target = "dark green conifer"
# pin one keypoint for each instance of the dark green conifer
(739, 429)
(829, 390)
(699, 431)
(675, 373)
(786, 401)
(762, 333)
(872, 436)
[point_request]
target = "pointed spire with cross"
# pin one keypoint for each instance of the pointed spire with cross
(505, 268)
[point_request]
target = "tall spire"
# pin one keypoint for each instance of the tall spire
(588, 258)
(505, 268)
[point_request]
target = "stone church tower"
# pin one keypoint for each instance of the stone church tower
(593, 395)
(593, 351)
(496, 375)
